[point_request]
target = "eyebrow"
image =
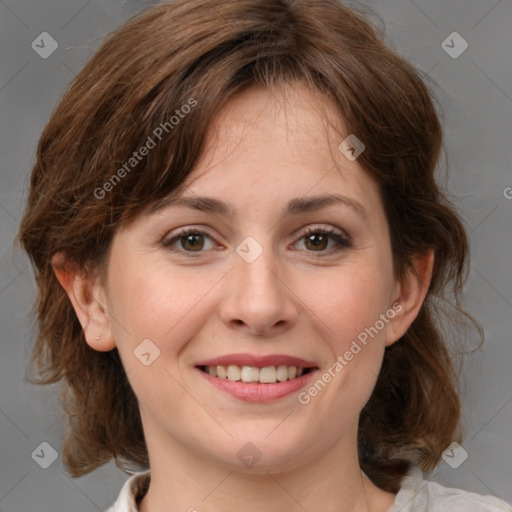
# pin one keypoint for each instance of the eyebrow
(295, 206)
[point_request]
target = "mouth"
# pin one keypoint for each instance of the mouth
(257, 378)
(253, 374)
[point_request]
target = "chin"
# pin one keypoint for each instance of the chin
(260, 454)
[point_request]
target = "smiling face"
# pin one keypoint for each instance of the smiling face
(256, 283)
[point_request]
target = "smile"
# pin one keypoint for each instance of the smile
(259, 378)
(265, 375)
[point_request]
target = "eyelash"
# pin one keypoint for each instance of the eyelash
(342, 241)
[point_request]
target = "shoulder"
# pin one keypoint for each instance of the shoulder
(133, 489)
(418, 495)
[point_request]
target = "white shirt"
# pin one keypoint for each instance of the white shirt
(415, 495)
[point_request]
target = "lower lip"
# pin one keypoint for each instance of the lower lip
(255, 392)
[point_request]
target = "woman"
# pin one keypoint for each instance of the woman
(241, 254)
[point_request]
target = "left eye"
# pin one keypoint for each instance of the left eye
(319, 238)
(193, 241)
(190, 237)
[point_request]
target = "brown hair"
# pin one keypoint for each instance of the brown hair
(200, 53)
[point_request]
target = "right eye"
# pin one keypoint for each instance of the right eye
(190, 240)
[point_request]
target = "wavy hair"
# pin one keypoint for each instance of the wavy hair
(209, 51)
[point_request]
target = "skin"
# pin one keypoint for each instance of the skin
(264, 149)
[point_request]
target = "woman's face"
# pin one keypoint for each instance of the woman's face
(252, 289)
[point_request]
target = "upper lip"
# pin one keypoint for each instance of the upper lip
(259, 361)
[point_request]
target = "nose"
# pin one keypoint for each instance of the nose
(258, 299)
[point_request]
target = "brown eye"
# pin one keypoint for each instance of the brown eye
(188, 241)
(192, 242)
(317, 241)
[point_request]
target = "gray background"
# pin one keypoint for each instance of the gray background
(476, 93)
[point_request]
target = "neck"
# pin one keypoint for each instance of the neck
(187, 481)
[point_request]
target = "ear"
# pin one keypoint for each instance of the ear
(87, 296)
(409, 296)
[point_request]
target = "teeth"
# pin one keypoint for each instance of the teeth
(268, 374)
(250, 374)
(282, 373)
(233, 372)
(265, 375)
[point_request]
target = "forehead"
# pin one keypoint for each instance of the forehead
(277, 145)
(292, 122)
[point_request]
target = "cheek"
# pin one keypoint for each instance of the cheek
(154, 301)
(347, 307)
(356, 349)
(163, 305)
(346, 301)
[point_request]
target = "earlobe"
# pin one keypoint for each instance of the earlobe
(87, 297)
(411, 295)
